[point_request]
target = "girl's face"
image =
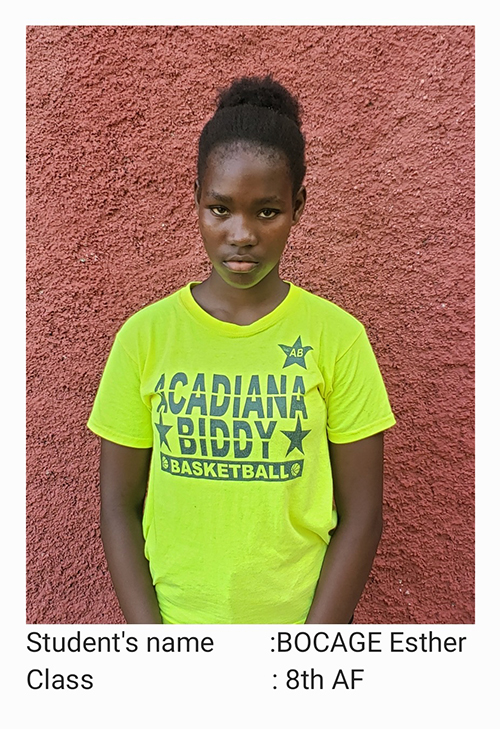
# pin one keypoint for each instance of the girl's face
(246, 209)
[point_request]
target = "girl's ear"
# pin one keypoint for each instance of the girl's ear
(298, 205)
(197, 190)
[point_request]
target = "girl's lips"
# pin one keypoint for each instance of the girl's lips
(240, 266)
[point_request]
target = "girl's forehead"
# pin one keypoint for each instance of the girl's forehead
(230, 164)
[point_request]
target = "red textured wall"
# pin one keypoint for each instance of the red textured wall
(113, 118)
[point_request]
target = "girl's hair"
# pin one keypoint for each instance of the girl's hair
(258, 111)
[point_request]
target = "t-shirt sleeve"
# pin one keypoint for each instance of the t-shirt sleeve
(120, 414)
(357, 405)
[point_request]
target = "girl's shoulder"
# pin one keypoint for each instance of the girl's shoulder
(328, 314)
(148, 325)
(152, 314)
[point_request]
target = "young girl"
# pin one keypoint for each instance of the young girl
(235, 412)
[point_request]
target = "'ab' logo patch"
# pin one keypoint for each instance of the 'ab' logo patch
(295, 354)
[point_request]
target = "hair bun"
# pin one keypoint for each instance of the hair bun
(265, 92)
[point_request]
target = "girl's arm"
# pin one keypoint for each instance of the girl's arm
(357, 476)
(124, 479)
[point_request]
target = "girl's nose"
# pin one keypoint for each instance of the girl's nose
(241, 233)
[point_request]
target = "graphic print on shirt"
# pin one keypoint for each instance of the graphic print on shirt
(296, 353)
(213, 426)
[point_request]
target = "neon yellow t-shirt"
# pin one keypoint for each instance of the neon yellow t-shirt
(239, 503)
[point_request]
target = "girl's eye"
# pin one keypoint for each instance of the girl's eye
(268, 214)
(219, 211)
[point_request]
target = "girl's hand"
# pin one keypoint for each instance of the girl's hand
(124, 479)
(357, 470)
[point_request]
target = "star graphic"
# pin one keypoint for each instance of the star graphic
(295, 354)
(162, 431)
(296, 436)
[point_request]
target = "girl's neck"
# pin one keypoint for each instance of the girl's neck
(240, 306)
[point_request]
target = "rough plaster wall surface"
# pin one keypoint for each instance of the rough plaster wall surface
(113, 116)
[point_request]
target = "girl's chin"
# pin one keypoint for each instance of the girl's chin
(243, 279)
